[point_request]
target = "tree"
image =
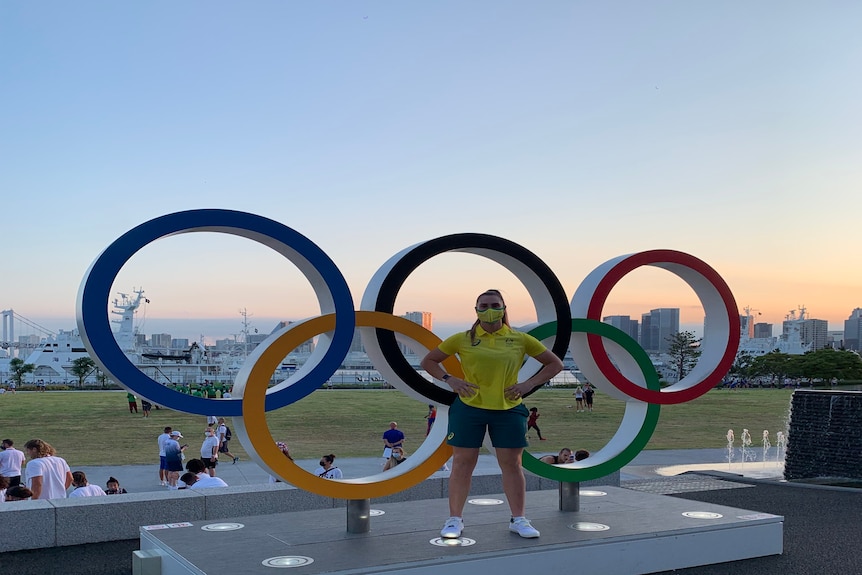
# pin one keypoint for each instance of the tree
(830, 363)
(774, 363)
(684, 351)
(19, 369)
(81, 368)
(742, 364)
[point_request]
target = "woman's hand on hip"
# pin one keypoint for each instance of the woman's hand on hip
(461, 387)
(516, 391)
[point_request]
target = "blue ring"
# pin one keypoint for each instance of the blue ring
(94, 293)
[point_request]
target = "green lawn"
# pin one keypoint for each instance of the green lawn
(95, 428)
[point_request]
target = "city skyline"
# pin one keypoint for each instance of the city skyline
(580, 131)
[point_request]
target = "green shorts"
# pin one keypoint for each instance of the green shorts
(467, 426)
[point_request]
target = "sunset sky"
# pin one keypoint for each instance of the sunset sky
(581, 130)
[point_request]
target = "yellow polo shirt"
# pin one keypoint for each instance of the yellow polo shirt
(492, 362)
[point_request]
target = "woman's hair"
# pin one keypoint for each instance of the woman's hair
(19, 492)
(283, 447)
(112, 480)
(43, 448)
(581, 454)
(189, 478)
(4, 482)
(329, 458)
(399, 448)
(79, 478)
(472, 331)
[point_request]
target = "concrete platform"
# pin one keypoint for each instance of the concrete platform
(626, 533)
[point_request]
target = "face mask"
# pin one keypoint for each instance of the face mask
(490, 315)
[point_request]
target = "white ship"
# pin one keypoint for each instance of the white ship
(53, 354)
(789, 342)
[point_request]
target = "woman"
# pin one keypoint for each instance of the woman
(579, 398)
(489, 397)
(397, 457)
(282, 446)
(83, 488)
(326, 469)
(48, 476)
(174, 457)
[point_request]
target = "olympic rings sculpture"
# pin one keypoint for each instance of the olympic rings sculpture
(610, 359)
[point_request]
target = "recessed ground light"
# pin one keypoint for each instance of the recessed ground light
(287, 561)
(222, 527)
(702, 515)
(592, 493)
(587, 526)
(485, 502)
(453, 542)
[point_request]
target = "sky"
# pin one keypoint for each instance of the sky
(583, 131)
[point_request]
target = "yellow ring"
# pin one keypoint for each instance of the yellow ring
(252, 427)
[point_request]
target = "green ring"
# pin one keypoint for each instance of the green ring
(553, 472)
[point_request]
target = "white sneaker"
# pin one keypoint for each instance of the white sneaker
(522, 527)
(452, 528)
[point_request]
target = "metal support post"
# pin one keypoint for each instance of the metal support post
(570, 496)
(358, 515)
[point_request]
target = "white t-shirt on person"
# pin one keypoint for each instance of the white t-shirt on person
(11, 461)
(205, 481)
(208, 447)
(53, 470)
(87, 491)
(162, 438)
(333, 473)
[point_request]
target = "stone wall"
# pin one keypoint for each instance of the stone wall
(825, 435)
(81, 521)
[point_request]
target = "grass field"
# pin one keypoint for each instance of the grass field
(95, 427)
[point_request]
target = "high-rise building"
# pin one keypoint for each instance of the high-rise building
(657, 327)
(811, 331)
(161, 340)
(424, 319)
(623, 323)
(835, 339)
(762, 330)
(853, 330)
(180, 343)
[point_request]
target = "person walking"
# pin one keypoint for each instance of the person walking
(224, 435)
(489, 399)
(133, 402)
(431, 417)
(48, 476)
(11, 462)
(531, 422)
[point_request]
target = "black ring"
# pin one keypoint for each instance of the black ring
(391, 285)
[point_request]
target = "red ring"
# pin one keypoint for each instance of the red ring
(597, 348)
